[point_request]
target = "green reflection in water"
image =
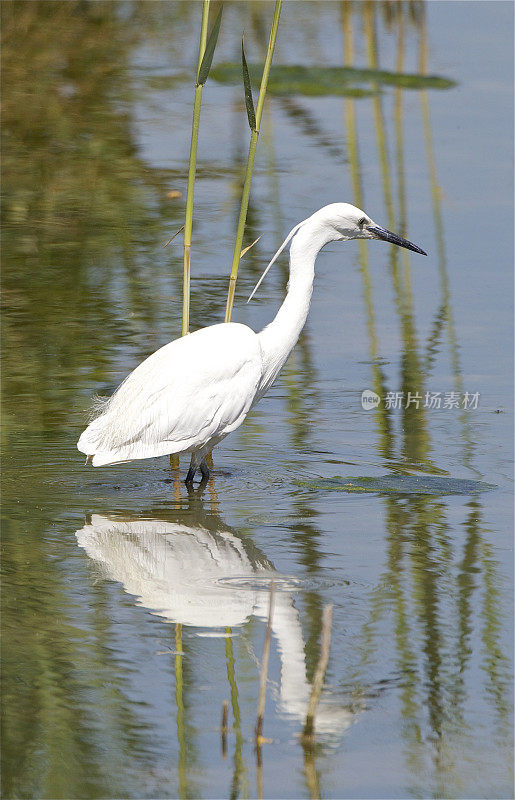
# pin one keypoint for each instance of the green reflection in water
(74, 186)
(60, 732)
(420, 555)
(239, 781)
(73, 183)
(382, 417)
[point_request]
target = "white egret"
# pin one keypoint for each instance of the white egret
(188, 395)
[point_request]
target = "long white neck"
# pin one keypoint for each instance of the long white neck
(278, 339)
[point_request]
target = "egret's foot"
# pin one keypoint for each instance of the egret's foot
(204, 469)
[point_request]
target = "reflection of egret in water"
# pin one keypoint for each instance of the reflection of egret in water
(180, 572)
(203, 575)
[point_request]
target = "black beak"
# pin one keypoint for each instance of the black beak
(388, 236)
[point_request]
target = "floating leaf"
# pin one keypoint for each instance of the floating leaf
(248, 90)
(207, 59)
(320, 81)
(399, 484)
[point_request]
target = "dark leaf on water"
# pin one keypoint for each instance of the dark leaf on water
(320, 81)
(207, 59)
(248, 90)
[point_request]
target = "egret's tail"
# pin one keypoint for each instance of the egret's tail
(100, 456)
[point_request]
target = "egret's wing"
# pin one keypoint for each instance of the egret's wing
(183, 395)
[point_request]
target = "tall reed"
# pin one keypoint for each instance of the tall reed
(205, 57)
(254, 118)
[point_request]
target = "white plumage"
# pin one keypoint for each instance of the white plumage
(191, 393)
(169, 405)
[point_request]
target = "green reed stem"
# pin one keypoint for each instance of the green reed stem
(191, 176)
(250, 162)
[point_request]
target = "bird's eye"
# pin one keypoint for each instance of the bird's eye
(362, 221)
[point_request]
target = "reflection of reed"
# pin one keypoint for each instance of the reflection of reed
(44, 723)
(418, 588)
(444, 316)
(418, 577)
(239, 783)
(298, 375)
(306, 123)
(382, 415)
(495, 662)
(179, 700)
(416, 443)
(311, 775)
(399, 153)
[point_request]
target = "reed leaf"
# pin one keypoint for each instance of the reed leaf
(207, 59)
(173, 237)
(251, 114)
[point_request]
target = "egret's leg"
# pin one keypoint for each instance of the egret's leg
(204, 469)
(191, 472)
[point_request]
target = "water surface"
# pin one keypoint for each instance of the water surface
(133, 609)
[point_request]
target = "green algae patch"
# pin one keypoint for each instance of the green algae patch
(398, 484)
(316, 81)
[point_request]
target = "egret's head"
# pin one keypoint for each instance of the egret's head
(350, 222)
(336, 222)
